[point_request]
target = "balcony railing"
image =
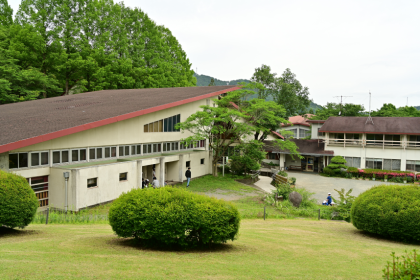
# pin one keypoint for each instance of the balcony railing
(372, 143)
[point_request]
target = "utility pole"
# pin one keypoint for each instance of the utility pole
(341, 102)
(369, 119)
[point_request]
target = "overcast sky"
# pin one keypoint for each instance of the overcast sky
(334, 47)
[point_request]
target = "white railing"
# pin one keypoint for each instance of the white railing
(372, 143)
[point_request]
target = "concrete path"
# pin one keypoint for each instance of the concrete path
(264, 184)
(321, 186)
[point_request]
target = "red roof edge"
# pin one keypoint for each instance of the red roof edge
(72, 130)
(278, 134)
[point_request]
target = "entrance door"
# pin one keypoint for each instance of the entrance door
(310, 164)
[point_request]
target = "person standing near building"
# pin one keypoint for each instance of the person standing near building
(188, 175)
(155, 183)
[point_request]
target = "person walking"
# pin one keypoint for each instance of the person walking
(188, 175)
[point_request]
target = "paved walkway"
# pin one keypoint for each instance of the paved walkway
(320, 185)
(264, 184)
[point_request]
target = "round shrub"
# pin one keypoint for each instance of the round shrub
(18, 202)
(389, 210)
(173, 217)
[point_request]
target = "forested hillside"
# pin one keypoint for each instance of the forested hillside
(204, 80)
(56, 48)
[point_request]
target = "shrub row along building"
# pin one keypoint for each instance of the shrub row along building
(107, 141)
(388, 143)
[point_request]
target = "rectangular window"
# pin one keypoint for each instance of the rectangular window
(126, 150)
(74, 155)
(321, 134)
(56, 157)
(107, 152)
(146, 128)
(139, 149)
(92, 154)
(34, 159)
(294, 133)
(123, 176)
(187, 164)
(156, 126)
(98, 153)
(170, 125)
(82, 154)
(178, 120)
(18, 160)
(150, 127)
(121, 151)
(44, 158)
(165, 125)
(133, 150)
(374, 163)
(113, 151)
(165, 146)
(202, 161)
(174, 123)
(161, 126)
(155, 148)
(414, 140)
(392, 164)
(92, 182)
(392, 140)
(374, 139)
(64, 156)
(353, 161)
(303, 133)
(40, 186)
(413, 165)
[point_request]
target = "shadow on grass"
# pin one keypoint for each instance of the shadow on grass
(132, 243)
(7, 232)
(377, 237)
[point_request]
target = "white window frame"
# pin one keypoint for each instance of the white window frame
(78, 154)
(40, 164)
(61, 156)
(97, 183)
(110, 152)
(28, 156)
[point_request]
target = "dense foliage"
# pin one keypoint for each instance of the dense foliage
(248, 157)
(18, 202)
(405, 267)
(390, 175)
(62, 47)
(389, 210)
(337, 163)
(173, 217)
(344, 203)
(285, 90)
(234, 119)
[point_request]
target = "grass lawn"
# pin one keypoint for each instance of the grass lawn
(272, 249)
(226, 184)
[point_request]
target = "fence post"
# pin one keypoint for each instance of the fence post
(48, 212)
(319, 213)
(264, 213)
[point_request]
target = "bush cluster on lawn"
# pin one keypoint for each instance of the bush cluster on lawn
(337, 163)
(18, 202)
(389, 210)
(173, 217)
(404, 267)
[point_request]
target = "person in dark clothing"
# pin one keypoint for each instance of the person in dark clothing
(188, 175)
(143, 183)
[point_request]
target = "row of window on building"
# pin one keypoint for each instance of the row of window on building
(164, 125)
(385, 164)
(302, 133)
(373, 139)
(35, 159)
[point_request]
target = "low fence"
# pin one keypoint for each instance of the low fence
(263, 212)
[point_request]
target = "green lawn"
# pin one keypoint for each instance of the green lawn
(226, 184)
(271, 249)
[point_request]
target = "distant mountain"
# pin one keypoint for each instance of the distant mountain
(204, 80)
(417, 107)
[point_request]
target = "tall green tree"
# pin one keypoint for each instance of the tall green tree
(335, 110)
(265, 77)
(290, 93)
(6, 13)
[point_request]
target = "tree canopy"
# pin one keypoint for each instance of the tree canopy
(285, 90)
(235, 120)
(60, 47)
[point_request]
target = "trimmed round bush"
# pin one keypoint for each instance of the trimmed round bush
(389, 210)
(18, 202)
(173, 217)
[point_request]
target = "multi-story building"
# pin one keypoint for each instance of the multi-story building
(107, 141)
(389, 143)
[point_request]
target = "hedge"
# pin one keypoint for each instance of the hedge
(18, 202)
(380, 173)
(173, 217)
(389, 210)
